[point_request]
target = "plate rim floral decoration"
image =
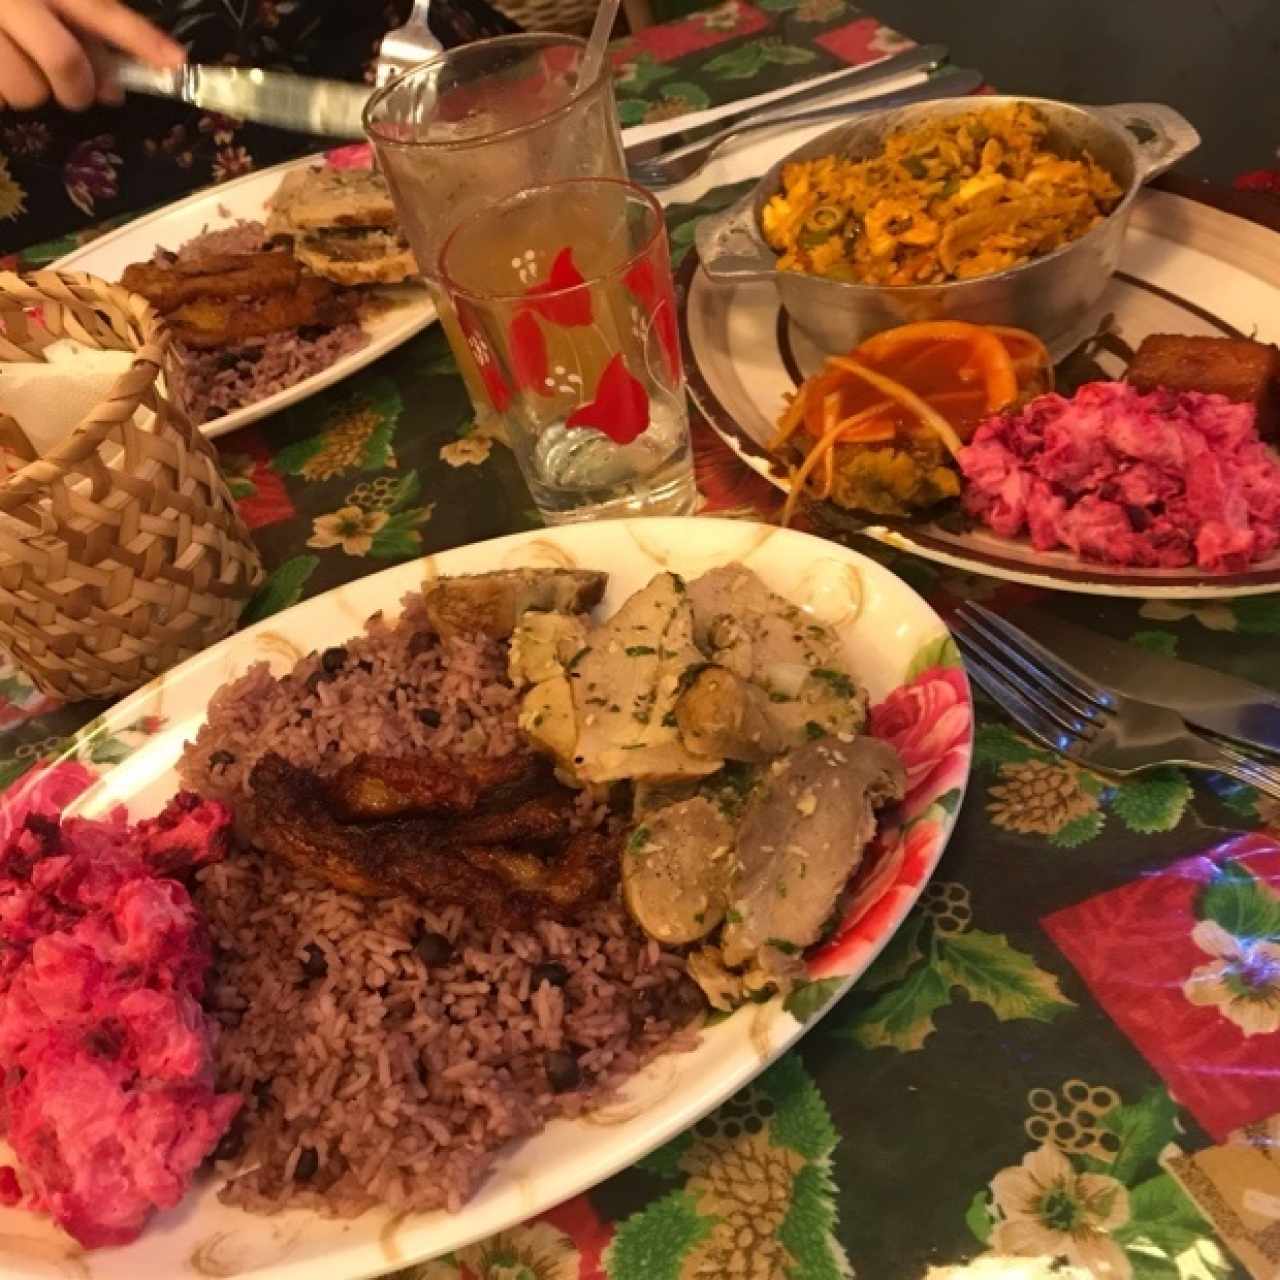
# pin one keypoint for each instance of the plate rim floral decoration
(920, 699)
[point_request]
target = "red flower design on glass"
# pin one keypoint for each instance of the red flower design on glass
(528, 352)
(549, 300)
(659, 305)
(621, 407)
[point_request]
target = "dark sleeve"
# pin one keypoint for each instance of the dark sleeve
(62, 173)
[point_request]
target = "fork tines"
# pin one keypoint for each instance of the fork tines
(1048, 698)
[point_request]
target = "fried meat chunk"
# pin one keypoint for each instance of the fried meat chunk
(221, 322)
(222, 275)
(511, 859)
(1244, 371)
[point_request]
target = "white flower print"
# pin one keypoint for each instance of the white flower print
(1242, 979)
(1048, 1210)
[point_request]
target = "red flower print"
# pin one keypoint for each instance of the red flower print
(589, 1232)
(670, 40)
(621, 407)
(359, 155)
(659, 305)
(929, 721)
(528, 352)
(259, 490)
(568, 309)
(725, 482)
(884, 887)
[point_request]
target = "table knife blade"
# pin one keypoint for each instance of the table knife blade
(325, 108)
(1224, 704)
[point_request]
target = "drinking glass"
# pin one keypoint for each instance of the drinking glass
(479, 122)
(563, 294)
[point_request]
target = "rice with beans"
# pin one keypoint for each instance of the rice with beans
(387, 1050)
(210, 384)
(395, 690)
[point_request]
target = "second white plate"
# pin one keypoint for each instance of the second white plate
(222, 206)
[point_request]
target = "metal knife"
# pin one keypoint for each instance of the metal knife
(1223, 704)
(326, 108)
(926, 57)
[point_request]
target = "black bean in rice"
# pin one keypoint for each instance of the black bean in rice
(323, 717)
(389, 1081)
(387, 1051)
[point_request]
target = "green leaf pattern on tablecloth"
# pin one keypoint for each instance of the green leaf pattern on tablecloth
(1032, 792)
(935, 956)
(758, 1200)
(992, 972)
(1164, 643)
(749, 59)
(358, 435)
(1153, 801)
(1092, 1194)
(282, 589)
(640, 74)
(653, 1244)
(341, 448)
(1236, 901)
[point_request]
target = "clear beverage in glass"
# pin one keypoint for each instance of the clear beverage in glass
(477, 123)
(564, 296)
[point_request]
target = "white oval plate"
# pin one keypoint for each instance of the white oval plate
(893, 640)
(221, 206)
(1186, 268)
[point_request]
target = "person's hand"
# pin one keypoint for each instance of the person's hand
(53, 48)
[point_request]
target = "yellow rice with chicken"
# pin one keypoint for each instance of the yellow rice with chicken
(949, 200)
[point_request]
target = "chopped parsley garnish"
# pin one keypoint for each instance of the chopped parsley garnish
(785, 945)
(577, 657)
(639, 838)
(775, 696)
(639, 650)
(733, 916)
(813, 730)
(700, 918)
(837, 680)
(669, 720)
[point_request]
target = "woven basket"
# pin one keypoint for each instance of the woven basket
(121, 552)
(562, 16)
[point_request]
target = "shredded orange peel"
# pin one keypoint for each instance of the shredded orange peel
(1005, 360)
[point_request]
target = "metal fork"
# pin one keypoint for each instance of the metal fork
(1083, 721)
(406, 46)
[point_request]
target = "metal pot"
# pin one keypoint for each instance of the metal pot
(1056, 297)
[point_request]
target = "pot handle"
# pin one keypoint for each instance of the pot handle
(1161, 136)
(730, 246)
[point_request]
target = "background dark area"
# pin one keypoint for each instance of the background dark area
(1216, 61)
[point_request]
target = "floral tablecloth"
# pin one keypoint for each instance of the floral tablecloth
(1071, 1049)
